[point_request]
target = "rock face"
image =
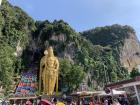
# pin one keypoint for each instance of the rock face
(130, 53)
(121, 39)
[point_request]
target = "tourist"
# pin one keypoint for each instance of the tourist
(39, 100)
(74, 102)
(4, 103)
(84, 102)
(123, 101)
(91, 102)
(116, 102)
(54, 101)
(34, 102)
(28, 102)
(109, 98)
(105, 101)
(69, 101)
(97, 101)
(59, 103)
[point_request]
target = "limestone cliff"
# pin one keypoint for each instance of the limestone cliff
(122, 40)
(130, 53)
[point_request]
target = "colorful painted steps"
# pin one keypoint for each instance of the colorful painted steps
(27, 85)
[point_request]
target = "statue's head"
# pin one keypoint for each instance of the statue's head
(50, 52)
(46, 52)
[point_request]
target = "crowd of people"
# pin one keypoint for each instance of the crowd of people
(108, 100)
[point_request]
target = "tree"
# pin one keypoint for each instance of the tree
(71, 75)
(114, 76)
(135, 72)
(7, 61)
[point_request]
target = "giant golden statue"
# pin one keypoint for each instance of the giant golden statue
(49, 66)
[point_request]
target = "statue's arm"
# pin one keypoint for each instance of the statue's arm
(42, 64)
(57, 64)
(40, 74)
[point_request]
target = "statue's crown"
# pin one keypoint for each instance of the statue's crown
(50, 51)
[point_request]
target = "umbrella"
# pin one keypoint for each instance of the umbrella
(45, 102)
(60, 103)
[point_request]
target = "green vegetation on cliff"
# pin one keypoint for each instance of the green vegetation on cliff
(88, 56)
(15, 26)
(109, 35)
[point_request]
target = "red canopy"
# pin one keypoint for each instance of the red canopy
(45, 102)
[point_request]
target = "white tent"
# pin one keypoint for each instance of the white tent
(88, 92)
(114, 92)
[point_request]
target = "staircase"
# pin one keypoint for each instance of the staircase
(27, 85)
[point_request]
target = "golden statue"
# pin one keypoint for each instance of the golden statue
(49, 66)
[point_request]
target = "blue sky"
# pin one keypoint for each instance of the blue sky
(85, 14)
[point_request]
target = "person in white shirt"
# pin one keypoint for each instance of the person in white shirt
(116, 102)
